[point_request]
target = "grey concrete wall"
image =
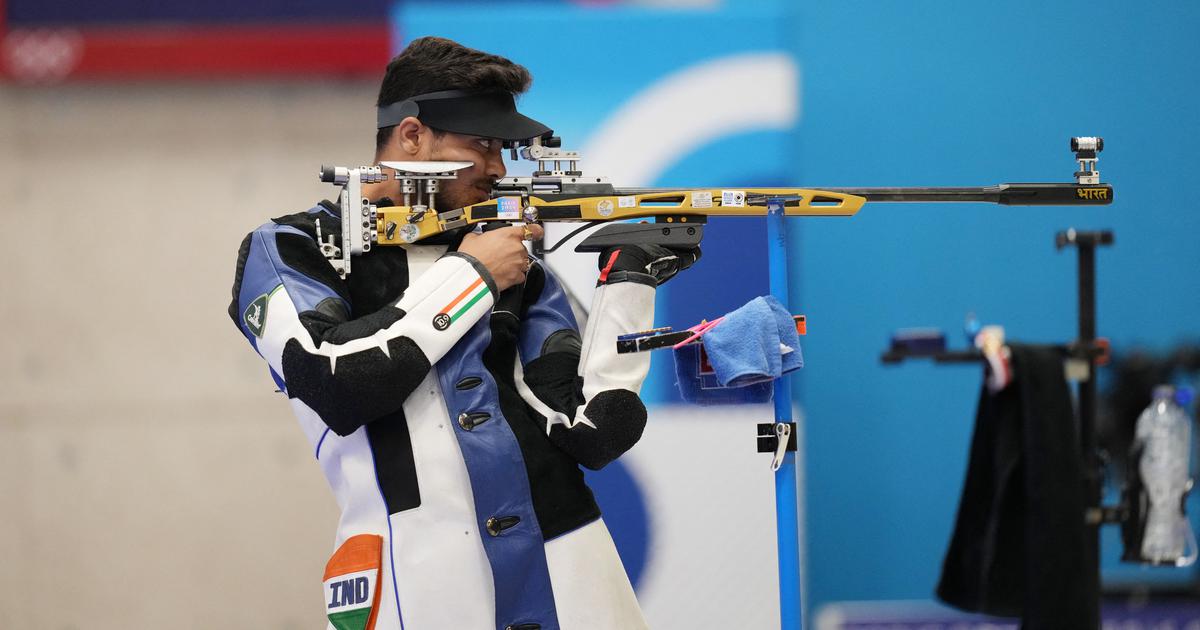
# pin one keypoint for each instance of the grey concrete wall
(149, 477)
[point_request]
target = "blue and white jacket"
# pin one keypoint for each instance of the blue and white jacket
(450, 423)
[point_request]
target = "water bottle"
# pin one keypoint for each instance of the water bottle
(1164, 434)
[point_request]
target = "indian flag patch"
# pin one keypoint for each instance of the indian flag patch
(459, 305)
(352, 583)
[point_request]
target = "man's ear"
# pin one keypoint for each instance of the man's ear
(413, 138)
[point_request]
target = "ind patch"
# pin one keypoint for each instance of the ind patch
(352, 583)
(255, 315)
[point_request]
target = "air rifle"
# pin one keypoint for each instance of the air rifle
(554, 193)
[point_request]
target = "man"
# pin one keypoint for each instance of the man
(454, 448)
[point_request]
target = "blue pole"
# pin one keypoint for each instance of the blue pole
(787, 531)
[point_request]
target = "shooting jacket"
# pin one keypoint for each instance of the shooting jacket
(450, 423)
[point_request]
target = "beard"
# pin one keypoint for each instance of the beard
(457, 194)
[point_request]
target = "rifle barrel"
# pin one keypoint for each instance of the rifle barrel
(1036, 194)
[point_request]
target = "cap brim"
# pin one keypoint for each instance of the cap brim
(509, 126)
(486, 114)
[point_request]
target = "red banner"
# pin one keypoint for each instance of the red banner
(46, 54)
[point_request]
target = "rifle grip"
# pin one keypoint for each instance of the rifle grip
(488, 226)
(669, 235)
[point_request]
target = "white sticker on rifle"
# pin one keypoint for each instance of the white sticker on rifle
(733, 198)
(701, 199)
(604, 207)
(508, 208)
(626, 202)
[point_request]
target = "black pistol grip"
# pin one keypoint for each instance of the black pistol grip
(670, 235)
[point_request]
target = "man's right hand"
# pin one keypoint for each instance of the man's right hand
(503, 252)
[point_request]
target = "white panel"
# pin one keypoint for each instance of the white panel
(442, 570)
(711, 499)
(591, 590)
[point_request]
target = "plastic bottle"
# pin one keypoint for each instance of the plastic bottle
(1164, 432)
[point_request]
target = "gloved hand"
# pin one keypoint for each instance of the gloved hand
(645, 264)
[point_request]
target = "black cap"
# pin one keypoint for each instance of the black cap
(484, 114)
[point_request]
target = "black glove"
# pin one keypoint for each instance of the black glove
(645, 264)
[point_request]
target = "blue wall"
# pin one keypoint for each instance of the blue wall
(951, 93)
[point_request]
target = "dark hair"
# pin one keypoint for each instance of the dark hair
(433, 64)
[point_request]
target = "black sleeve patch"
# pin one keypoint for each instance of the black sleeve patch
(360, 387)
(620, 418)
(379, 279)
(328, 322)
(552, 379)
(333, 309)
(565, 340)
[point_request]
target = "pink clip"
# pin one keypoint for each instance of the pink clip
(698, 331)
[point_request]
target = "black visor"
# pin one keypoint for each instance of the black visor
(485, 114)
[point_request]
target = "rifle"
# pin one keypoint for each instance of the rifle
(552, 193)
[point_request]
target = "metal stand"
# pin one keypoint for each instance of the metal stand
(787, 530)
(1086, 350)
(1096, 514)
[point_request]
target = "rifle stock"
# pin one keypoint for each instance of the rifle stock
(666, 205)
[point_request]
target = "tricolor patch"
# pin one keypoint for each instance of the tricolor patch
(459, 305)
(352, 583)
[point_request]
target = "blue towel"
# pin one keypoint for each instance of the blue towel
(788, 336)
(748, 346)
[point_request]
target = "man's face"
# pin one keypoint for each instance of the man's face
(473, 184)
